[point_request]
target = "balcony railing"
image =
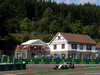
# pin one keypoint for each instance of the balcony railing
(73, 49)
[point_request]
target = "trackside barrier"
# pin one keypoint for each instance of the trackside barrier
(7, 67)
(59, 61)
(52, 61)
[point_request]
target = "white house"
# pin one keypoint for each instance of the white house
(75, 46)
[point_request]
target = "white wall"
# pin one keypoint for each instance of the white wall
(93, 48)
(58, 43)
(98, 50)
(68, 46)
(84, 48)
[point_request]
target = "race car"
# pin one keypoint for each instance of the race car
(65, 65)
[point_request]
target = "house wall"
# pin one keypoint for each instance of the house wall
(98, 50)
(93, 48)
(98, 53)
(68, 48)
(84, 55)
(59, 43)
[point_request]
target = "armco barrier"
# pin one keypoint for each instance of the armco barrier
(53, 61)
(59, 61)
(7, 67)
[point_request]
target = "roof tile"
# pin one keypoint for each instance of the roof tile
(78, 38)
(98, 45)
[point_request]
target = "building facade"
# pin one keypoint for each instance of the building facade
(98, 51)
(73, 46)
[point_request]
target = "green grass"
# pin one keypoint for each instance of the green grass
(61, 71)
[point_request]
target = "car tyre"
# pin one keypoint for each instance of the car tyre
(56, 67)
(66, 67)
(72, 66)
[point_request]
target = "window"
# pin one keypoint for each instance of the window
(81, 47)
(55, 46)
(63, 46)
(74, 55)
(58, 37)
(89, 47)
(74, 46)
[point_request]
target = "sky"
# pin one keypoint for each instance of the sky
(97, 2)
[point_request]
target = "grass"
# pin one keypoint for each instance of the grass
(41, 73)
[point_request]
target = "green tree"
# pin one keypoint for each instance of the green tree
(69, 17)
(86, 29)
(54, 27)
(91, 30)
(26, 38)
(13, 25)
(6, 12)
(42, 25)
(48, 12)
(77, 27)
(66, 29)
(26, 26)
(98, 32)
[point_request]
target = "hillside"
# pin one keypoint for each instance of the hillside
(46, 17)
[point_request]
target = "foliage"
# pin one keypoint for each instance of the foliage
(77, 27)
(26, 26)
(54, 27)
(49, 17)
(26, 37)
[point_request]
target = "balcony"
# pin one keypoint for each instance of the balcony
(88, 50)
(73, 50)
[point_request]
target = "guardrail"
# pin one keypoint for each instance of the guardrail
(52, 61)
(7, 67)
(59, 61)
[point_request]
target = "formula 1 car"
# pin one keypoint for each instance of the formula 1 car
(65, 65)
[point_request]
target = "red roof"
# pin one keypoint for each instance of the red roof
(78, 38)
(98, 45)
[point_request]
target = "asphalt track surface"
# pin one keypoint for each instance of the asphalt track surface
(44, 67)
(84, 72)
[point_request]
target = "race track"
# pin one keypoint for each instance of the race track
(42, 67)
(85, 72)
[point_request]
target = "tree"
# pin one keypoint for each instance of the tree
(54, 27)
(43, 25)
(91, 30)
(98, 32)
(26, 37)
(13, 25)
(48, 12)
(66, 29)
(69, 17)
(77, 27)
(26, 26)
(86, 29)
(6, 12)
